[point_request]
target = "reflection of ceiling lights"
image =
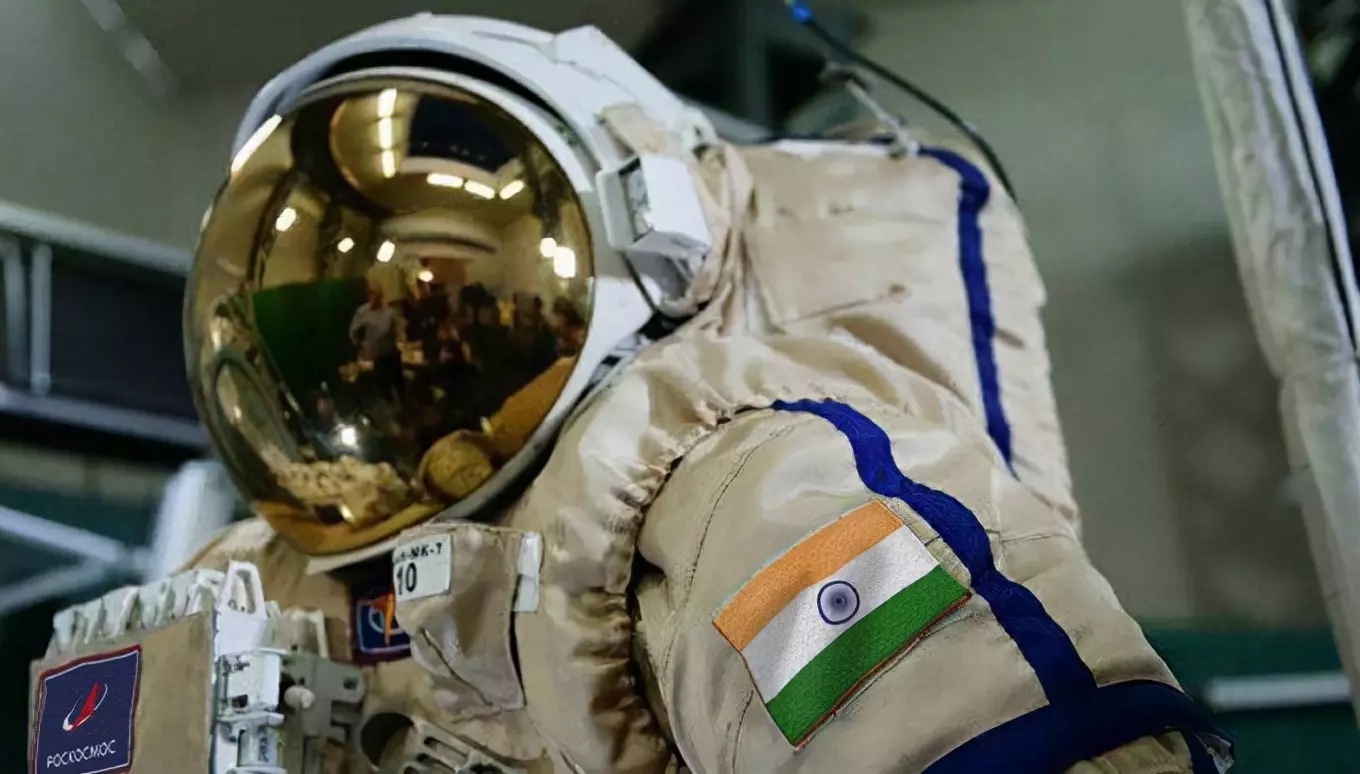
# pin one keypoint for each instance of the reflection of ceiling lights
(349, 436)
(386, 251)
(512, 188)
(425, 275)
(444, 181)
(345, 245)
(480, 190)
(564, 262)
(547, 247)
(253, 144)
(387, 102)
(285, 220)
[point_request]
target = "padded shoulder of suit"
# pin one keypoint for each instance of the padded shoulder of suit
(283, 569)
(244, 541)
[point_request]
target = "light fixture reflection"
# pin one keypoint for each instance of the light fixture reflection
(547, 247)
(444, 181)
(425, 275)
(480, 190)
(389, 163)
(511, 189)
(285, 220)
(564, 262)
(387, 102)
(253, 144)
(385, 133)
(345, 245)
(349, 436)
(386, 251)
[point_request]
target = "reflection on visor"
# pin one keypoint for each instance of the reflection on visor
(389, 295)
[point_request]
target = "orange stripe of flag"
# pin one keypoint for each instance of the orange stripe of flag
(816, 558)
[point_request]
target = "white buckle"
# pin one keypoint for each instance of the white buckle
(652, 208)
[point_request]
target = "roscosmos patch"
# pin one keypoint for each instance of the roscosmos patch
(84, 715)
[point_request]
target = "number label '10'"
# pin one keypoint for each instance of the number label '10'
(404, 578)
(423, 568)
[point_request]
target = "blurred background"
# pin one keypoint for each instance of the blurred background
(115, 126)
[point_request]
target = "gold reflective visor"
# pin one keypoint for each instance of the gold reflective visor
(389, 294)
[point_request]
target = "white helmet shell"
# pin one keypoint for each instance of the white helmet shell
(576, 74)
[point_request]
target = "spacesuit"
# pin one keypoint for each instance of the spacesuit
(797, 502)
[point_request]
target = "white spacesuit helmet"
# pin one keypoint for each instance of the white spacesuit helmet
(429, 247)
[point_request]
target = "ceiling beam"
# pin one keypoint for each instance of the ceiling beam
(134, 46)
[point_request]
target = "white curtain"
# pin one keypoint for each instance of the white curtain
(1289, 235)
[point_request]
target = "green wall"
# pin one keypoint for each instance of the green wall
(305, 327)
(1317, 740)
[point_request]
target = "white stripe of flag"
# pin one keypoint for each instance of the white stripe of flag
(794, 637)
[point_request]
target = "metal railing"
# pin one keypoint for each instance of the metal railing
(196, 503)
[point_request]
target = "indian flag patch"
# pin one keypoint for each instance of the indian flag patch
(823, 618)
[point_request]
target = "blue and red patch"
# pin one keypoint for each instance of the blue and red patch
(85, 712)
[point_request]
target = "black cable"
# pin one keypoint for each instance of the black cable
(805, 18)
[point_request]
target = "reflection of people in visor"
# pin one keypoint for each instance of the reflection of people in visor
(374, 329)
(571, 328)
(535, 346)
(403, 225)
(674, 455)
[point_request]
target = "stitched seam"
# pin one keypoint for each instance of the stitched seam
(741, 726)
(717, 502)
(489, 707)
(837, 308)
(1057, 533)
(689, 577)
(708, 522)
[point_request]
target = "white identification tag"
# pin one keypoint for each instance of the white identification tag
(422, 568)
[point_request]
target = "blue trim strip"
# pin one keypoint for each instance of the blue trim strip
(974, 193)
(1081, 720)
(1041, 641)
(1059, 736)
(1200, 759)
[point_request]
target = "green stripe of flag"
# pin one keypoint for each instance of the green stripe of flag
(821, 685)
